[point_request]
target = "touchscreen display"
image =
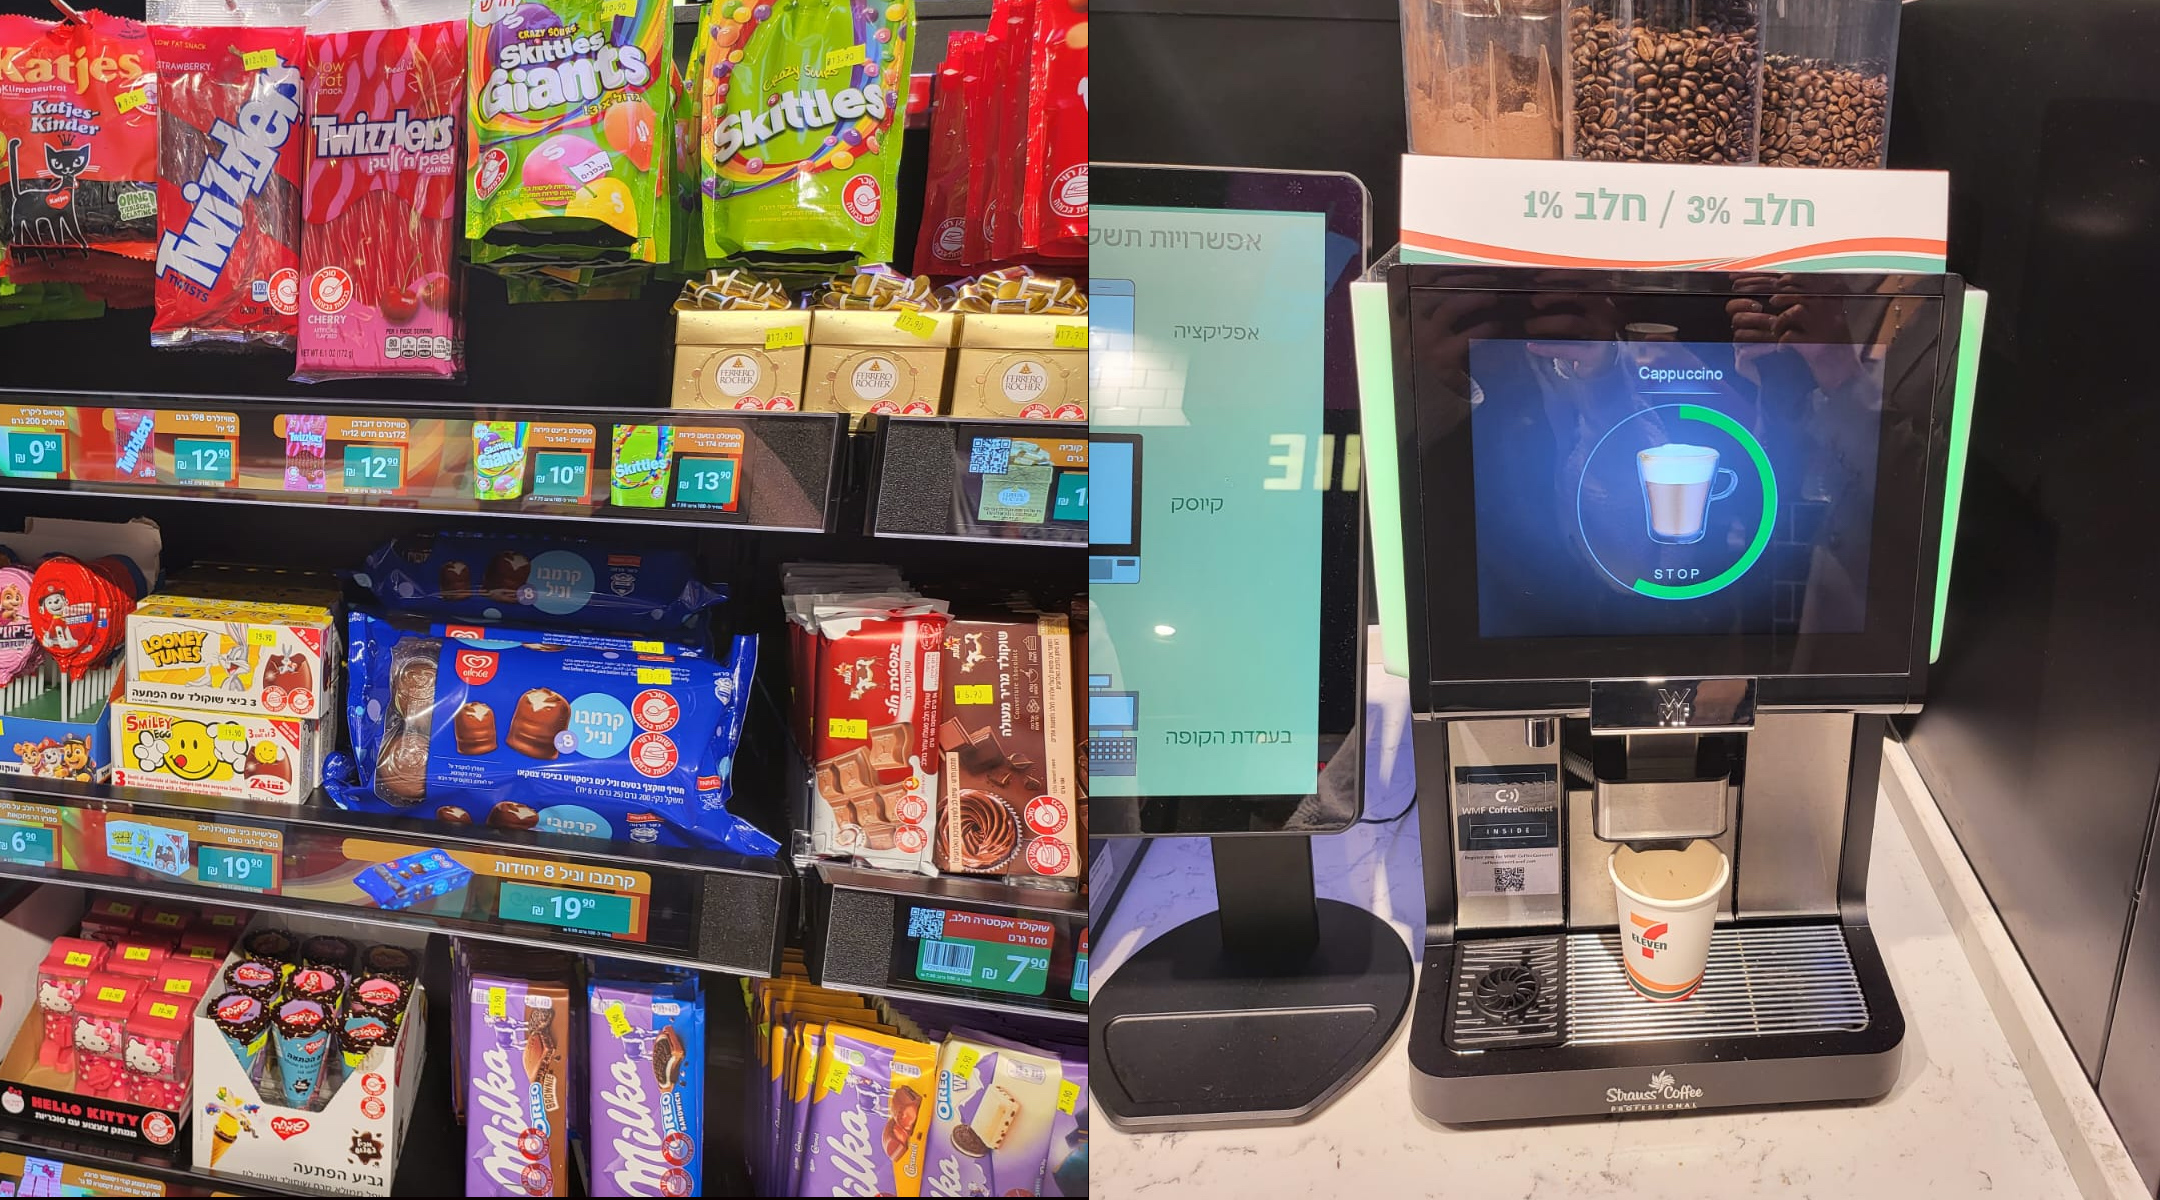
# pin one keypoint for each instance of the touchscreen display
(1207, 354)
(1647, 486)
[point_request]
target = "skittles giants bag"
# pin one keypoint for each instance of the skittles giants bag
(565, 140)
(802, 113)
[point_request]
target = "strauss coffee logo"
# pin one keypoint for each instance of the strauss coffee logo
(476, 667)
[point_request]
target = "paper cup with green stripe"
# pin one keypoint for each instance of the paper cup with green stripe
(1667, 900)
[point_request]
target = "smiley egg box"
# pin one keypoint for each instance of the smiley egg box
(242, 756)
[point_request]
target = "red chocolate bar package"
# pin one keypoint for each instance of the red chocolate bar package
(79, 116)
(1054, 208)
(983, 108)
(229, 138)
(379, 289)
(871, 663)
(1006, 734)
(940, 246)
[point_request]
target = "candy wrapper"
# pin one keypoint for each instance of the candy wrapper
(564, 132)
(517, 1086)
(79, 117)
(79, 610)
(868, 1115)
(801, 127)
(605, 744)
(538, 581)
(646, 1086)
(1054, 205)
(1008, 152)
(230, 133)
(940, 246)
(380, 293)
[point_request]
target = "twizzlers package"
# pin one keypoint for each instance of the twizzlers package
(378, 279)
(229, 140)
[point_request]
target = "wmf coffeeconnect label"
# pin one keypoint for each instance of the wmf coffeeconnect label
(1508, 831)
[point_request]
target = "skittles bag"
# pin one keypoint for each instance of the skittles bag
(566, 145)
(802, 112)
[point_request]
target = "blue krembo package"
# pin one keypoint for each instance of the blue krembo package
(594, 743)
(547, 582)
(645, 1102)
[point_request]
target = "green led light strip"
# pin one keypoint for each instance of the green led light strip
(1739, 433)
(1961, 406)
(1374, 340)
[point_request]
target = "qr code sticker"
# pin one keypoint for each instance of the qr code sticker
(926, 923)
(990, 456)
(1508, 879)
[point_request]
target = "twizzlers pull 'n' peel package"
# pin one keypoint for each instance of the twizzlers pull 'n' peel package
(564, 131)
(1054, 210)
(378, 283)
(78, 119)
(800, 132)
(229, 148)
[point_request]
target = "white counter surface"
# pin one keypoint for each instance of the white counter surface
(1961, 1122)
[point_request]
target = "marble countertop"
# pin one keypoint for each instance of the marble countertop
(1961, 1122)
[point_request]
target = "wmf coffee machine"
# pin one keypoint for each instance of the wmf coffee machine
(1671, 548)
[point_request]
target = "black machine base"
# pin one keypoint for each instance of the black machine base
(1570, 1062)
(1187, 1035)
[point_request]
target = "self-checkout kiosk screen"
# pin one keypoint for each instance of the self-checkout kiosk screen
(1647, 487)
(1204, 582)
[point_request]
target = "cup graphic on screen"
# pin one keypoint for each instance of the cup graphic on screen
(1676, 484)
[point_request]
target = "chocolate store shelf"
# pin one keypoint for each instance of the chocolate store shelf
(672, 467)
(953, 940)
(690, 907)
(963, 479)
(431, 1158)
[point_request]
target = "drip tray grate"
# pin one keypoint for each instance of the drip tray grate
(1782, 980)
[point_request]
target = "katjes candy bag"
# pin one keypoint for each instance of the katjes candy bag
(79, 116)
(803, 110)
(565, 134)
(231, 126)
(1054, 209)
(379, 292)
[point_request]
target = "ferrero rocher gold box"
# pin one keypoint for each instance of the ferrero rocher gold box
(740, 360)
(1028, 366)
(887, 362)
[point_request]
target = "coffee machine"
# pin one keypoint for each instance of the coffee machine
(1670, 547)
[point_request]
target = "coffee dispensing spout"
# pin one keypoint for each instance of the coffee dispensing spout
(1666, 754)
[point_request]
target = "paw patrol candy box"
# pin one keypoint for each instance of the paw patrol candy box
(238, 755)
(276, 660)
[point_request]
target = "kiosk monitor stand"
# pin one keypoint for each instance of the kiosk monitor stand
(1225, 678)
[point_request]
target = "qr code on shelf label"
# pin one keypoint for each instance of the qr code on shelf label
(990, 456)
(1508, 879)
(926, 923)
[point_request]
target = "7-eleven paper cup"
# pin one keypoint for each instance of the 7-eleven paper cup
(1667, 900)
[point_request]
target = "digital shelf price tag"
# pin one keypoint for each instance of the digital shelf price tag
(1027, 481)
(345, 455)
(169, 446)
(677, 466)
(30, 834)
(34, 441)
(954, 948)
(516, 460)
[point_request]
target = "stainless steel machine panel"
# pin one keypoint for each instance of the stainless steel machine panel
(1504, 797)
(1792, 815)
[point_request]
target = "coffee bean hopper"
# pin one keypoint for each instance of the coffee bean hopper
(1665, 558)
